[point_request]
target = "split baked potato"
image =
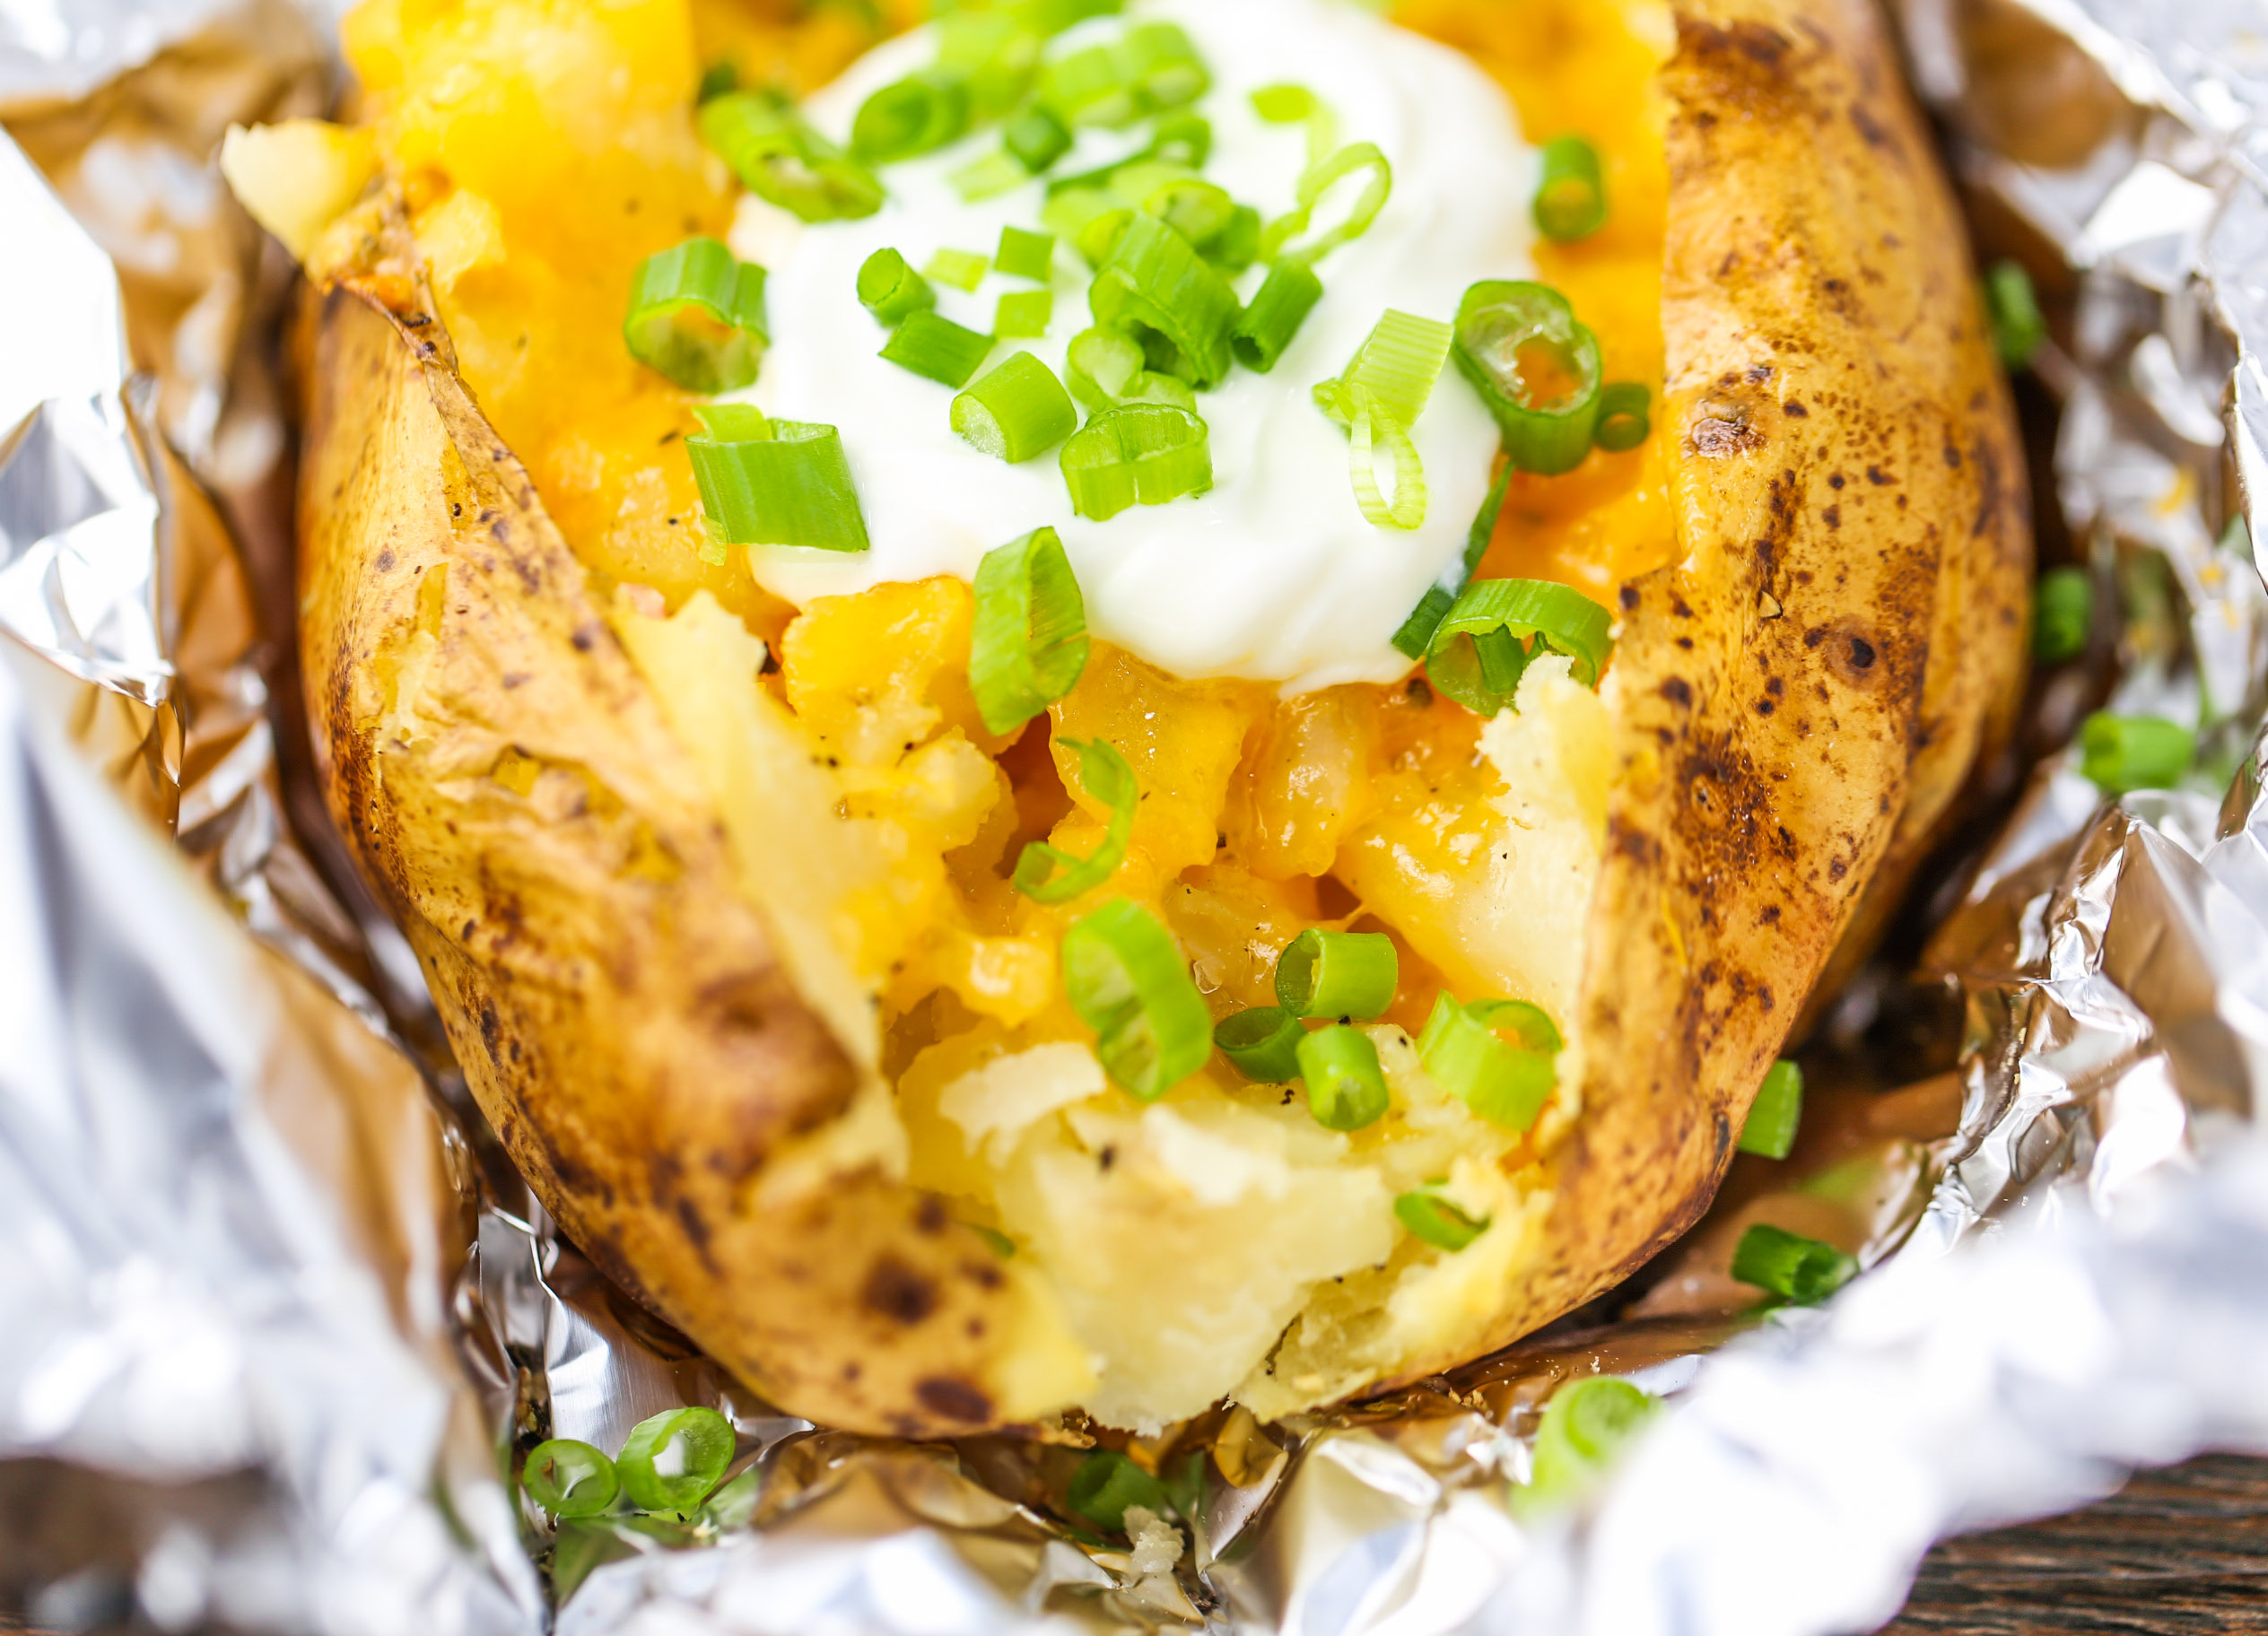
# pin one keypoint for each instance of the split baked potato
(713, 893)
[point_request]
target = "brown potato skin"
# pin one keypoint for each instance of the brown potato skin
(1804, 693)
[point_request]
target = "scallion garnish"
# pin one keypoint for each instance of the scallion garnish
(1336, 974)
(1047, 874)
(1156, 284)
(1028, 643)
(569, 1479)
(696, 315)
(1197, 210)
(1535, 367)
(962, 269)
(1295, 104)
(1485, 640)
(2124, 753)
(1024, 254)
(1262, 1042)
(1236, 246)
(780, 158)
(993, 51)
(673, 1459)
(936, 348)
(1107, 1485)
(1346, 1088)
(774, 482)
(987, 177)
(1129, 983)
(1161, 67)
(1583, 1426)
(1571, 200)
(916, 115)
(1278, 309)
(1022, 314)
(891, 290)
(1378, 399)
(1089, 87)
(1144, 452)
(2017, 327)
(1504, 1084)
(1799, 1270)
(2063, 614)
(1431, 1219)
(1105, 369)
(1017, 411)
(1528, 1024)
(1417, 632)
(1623, 418)
(1282, 241)
(1036, 139)
(1773, 1116)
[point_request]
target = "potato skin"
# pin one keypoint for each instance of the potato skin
(1800, 697)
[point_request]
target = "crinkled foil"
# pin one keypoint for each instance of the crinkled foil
(277, 1317)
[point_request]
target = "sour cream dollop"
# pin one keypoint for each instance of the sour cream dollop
(1274, 574)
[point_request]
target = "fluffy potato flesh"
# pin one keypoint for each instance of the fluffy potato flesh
(714, 891)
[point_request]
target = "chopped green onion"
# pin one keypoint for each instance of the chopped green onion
(1397, 364)
(1265, 328)
(1262, 1042)
(774, 482)
(987, 177)
(1047, 874)
(2124, 753)
(1144, 452)
(1506, 1086)
(1129, 983)
(1036, 139)
(1089, 87)
(2063, 615)
(994, 53)
(1028, 644)
(936, 348)
(1278, 244)
(1292, 105)
(1047, 18)
(1107, 1485)
(1773, 1116)
(1571, 201)
(1346, 1088)
(717, 78)
(917, 114)
(1529, 1023)
(1623, 420)
(1536, 368)
(696, 315)
(673, 1459)
(1336, 974)
(1101, 235)
(1162, 67)
(1433, 1220)
(961, 269)
(1236, 246)
(1417, 632)
(1495, 627)
(780, 158)
(1156, 284)
(2018, 328)
(1184, 138)
(1198, 209)
(1024, 254)
(1788, 1265)
(891, 290)
(1407, 507)
(1017, 411)
(1586, 1422)
(1023, 314)
(1105, 370)
(995, 1240)
(569, 1479)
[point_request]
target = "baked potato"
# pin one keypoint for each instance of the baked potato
(717, 894)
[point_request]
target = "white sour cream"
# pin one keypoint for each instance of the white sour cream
(1274, 574)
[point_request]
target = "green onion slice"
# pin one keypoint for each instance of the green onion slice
(1024, 254)
(1623, 418)
(1371, 432)
(1800, 1270)
(696, 315)
(1336, 974)
(1023, 315)
(780, 158)
(1528, 1024)
(1506, 1086)
(673, 1459)
(1105, 369)
(1296, 105)
(891, 290)
(1586, 1422)
(1156, 284)
(1141, 452)
(774, 482)
(1236, 246)
(2124, 753)
(917, 114)
(1128, 982)
(961, 269)
(1036, 139)
(1184, 138)
(1397, 365)
(1571, 201)
(2017, 327)
(2063, 614)
(994, 52)
(1017, 411)
(569, 1479)
(1773, 1116)
(1028, 643)
(936, 348)
(987, 177)
(1345, 1087)
(1047, 874)
(1432, 1219)
(1495, 627)
(1262, 1042)
(1107, 1485)
(1417, 632)
(1089, 87)
(1162, 67)
(1535, 367)
(1198, 209)
(1282, 241)
(1279, 308)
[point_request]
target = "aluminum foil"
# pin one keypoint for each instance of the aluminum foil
(279, 1318)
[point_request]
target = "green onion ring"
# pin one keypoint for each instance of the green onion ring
(1495, 627)
(774, 482)
(696, 315)
(704, 1445)
(1047, 874)
(1502, 324)
(1028, 643)
(1127, 980)
(1345, 1087)
(1278, 243)
(1263, 1043)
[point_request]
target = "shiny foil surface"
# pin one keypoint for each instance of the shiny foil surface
(279, 1321)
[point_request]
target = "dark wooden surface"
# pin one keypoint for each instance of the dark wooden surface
(2176, 1551)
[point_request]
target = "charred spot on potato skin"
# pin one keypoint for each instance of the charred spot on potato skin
(949, 1397)
(928, 1215)
(898, 1292)
(1677, 690)
(1630, 599)
(1724, 424)
(697, 1232)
